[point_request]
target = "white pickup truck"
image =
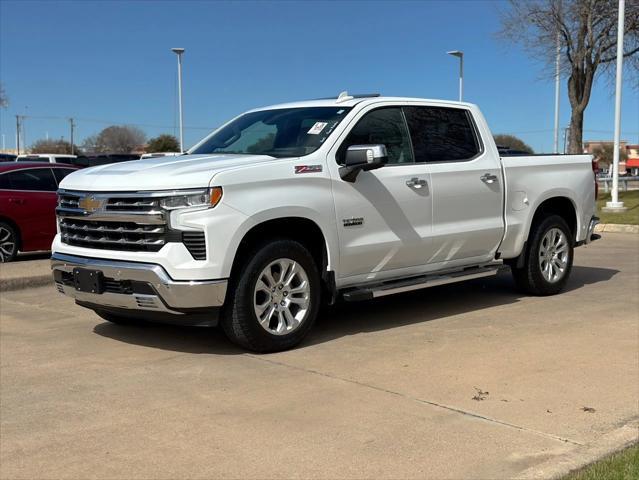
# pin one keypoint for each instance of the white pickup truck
(289, 206)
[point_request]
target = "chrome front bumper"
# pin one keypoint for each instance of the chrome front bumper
(137, 286)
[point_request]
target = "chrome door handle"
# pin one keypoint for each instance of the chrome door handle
(488, 178)
(416, 182)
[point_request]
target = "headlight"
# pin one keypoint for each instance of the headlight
(200, 198)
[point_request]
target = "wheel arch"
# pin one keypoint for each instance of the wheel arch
(302, 229)
(561, 205)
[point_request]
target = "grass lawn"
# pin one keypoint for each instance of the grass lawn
(623, 465)
(629, 217)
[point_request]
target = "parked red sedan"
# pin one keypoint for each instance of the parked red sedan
(27, 206)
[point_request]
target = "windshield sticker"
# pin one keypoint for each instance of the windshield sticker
(317, 128)
(339, 112)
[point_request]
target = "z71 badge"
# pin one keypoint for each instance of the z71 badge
(307, 169)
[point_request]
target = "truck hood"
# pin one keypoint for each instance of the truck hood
(160, 173)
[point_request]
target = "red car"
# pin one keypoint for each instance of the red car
(27, 206)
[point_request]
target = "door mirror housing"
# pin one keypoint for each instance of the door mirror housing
(362, 157)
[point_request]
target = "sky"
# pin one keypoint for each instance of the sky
(110, 62)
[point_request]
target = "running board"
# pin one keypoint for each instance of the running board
(417, 283)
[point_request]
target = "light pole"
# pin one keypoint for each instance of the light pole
(179, 52)
(459, 54)
(615, 204)
(557, 76)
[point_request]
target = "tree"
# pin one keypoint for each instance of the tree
(163, 143)
(604, 153)
(115, 139)
(4, 100)
(53, 146)
(512, 142)
(587, 34)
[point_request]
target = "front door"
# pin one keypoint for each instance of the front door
(384, 217)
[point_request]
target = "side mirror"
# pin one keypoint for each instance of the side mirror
(362, 157)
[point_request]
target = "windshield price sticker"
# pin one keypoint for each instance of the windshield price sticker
(317, 128)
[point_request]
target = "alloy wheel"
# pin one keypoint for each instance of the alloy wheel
(7, 244)
(282, 296)
(553, 255)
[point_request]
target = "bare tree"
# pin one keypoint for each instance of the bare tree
(587, 34)
(163, 143)
(604, 153)
(116, 139)
(52, 146)
(512, 142)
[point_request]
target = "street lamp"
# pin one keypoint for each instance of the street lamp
(614, 205)
(459, 54)
(179, 52)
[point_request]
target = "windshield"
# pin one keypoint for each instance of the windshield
(286, 132)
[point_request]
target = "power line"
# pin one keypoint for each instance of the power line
(110, 122)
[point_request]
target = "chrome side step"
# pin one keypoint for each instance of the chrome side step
(417, 283)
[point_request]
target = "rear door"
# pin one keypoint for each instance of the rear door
(31, 199)
(466, 183)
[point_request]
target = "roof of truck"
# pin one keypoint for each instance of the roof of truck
(346, 100)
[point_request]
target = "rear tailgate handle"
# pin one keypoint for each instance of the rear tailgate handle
(488, 178)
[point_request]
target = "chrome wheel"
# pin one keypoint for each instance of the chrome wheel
(282, 296)
(553, 255)
(7, 244)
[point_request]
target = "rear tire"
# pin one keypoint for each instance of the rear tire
(8, 243)
(548, 258)
(274, 299)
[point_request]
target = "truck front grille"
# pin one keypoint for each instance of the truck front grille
(133, 222)
(113, 235)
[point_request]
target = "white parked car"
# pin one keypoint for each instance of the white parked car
(289, 206)
(159, 154)
(47, 158)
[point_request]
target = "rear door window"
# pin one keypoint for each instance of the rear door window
(60, 173)
(34, 179)
(441, 134)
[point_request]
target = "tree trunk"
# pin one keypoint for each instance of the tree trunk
(575, 134)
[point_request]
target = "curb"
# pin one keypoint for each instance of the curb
(585, 455)
(616, 228)
(20, 283)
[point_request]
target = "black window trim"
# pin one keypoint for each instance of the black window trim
(401, 107)
(30, 168)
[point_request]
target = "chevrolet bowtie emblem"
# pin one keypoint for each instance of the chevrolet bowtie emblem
(90, 204)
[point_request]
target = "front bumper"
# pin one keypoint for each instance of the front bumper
(138, 286)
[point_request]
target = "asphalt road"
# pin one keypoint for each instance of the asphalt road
(461, 381)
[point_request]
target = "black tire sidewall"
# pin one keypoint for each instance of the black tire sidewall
(539, 284)
(14, 235)
(239, 320)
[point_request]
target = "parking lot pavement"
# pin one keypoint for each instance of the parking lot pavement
(461, 381)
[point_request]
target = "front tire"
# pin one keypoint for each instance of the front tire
(8, 243)
(548, 259)
(274, 300)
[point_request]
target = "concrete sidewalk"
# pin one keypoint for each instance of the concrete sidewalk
(461, 381)
(29, 270)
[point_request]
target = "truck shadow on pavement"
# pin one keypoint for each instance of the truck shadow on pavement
(346, 319)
